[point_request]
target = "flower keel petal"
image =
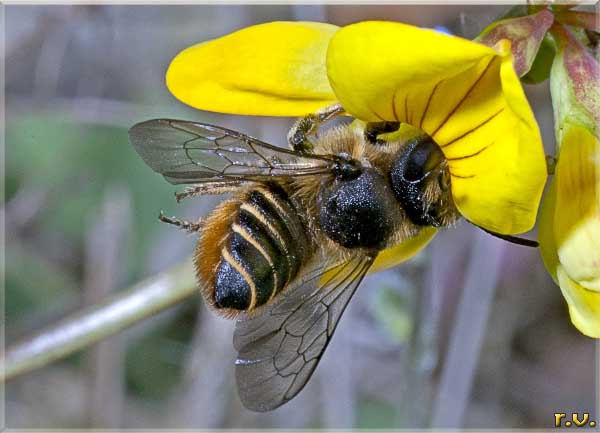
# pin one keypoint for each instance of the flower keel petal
(584, 305)
(403, 251)
(465, 95)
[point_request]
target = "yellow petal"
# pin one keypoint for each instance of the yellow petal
(577, 211)
(584, 304)
(273, 69)
(548, 249)
(465, 95)
(403, 251)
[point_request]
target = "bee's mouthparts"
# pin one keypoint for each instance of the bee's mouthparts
(347, 168)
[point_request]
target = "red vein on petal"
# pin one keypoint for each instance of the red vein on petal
(471, 155)
(428, 102)
(460, 137)
(375, 113)
(467, 93)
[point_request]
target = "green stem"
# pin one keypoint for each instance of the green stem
(551, 164)
(87, 327)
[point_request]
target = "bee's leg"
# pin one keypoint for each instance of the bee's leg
(297, 137)
(373, 129)
(309, 125)
(212, 188)
(182, 224)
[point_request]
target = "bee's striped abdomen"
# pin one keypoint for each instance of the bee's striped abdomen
(264, 250)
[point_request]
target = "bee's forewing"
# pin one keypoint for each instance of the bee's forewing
(190, 152)
(279, 349)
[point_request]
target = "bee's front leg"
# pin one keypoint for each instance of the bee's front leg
(309, 125)
(373, 129)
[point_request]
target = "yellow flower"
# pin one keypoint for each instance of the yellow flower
(465, 95)
(570, 213)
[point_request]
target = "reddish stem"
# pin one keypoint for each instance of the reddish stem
(563, 7)
(584, 20)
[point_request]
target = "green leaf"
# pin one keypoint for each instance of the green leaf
(540, 69)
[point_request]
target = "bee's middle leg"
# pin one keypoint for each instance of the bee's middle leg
(309, 125)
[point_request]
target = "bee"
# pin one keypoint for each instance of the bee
(287, 251)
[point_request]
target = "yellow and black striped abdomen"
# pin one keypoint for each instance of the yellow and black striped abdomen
(264, 250)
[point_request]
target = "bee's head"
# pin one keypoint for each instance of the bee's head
(357, 209)
(421, 182)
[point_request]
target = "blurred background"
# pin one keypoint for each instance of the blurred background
(470, 333)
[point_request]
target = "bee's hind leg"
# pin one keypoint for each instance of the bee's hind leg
(191, 227)
(309, 125)
(373, 129)
(209, 188)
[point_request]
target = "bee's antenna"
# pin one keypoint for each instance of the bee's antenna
(512, 239)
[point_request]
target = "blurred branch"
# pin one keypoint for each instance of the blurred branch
(48, 67)
(87, 327)
(421, 358)
(468, 333)
(338, 397)
(25, 206)
(89, 110)
(207, 385)
(105, 246)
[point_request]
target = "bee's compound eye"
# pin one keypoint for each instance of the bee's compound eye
(414, 167)
(357, 212)
(421, 159)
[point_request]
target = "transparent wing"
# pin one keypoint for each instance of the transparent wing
(189, 152)
(279, 349)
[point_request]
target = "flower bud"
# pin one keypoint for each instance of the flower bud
(570, 214)
(525, 35)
